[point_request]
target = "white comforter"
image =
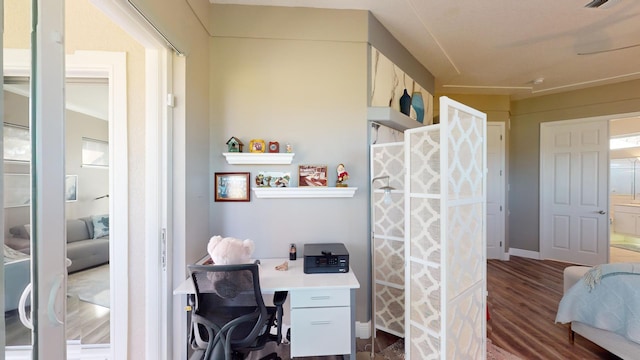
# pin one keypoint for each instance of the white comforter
(608, 298)
(11, 255)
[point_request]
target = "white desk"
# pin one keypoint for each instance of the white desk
(322, 307)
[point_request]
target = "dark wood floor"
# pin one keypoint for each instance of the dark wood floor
(523, 301)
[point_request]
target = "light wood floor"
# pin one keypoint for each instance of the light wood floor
(86, 322)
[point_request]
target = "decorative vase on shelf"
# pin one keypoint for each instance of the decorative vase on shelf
(418, 105)
(405, 103)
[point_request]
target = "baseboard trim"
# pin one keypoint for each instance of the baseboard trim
(363, 330)
(505, 256)
(524, 253)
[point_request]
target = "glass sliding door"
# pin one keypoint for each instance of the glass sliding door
(33, 174)
(16, 178)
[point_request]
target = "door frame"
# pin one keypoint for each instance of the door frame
(112, 66)
(503, 187)
(158, 173)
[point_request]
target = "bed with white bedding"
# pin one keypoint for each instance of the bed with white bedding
(17, 275)
(603, 305)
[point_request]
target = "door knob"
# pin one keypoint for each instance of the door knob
(601, 212)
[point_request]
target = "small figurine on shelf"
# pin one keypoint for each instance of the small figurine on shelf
(289, 148)
(343, 175)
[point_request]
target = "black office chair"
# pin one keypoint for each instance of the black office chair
(230, 319)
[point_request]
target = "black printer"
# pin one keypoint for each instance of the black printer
(326, 258)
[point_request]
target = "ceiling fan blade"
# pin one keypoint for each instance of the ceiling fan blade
(595, 3)
(608, 50)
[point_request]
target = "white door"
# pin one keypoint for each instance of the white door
(495, 190)
(574, 162)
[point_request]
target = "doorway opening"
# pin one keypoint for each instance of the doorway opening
(624, 189)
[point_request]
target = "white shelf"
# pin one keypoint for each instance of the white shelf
(235, 158)
(303, 192)
(392, 118)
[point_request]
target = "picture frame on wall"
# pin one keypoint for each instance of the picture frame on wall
(17, 189)
(312, 175)
(71, 188)
(232, 186)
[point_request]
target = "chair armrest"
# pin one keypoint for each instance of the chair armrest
(279, 298)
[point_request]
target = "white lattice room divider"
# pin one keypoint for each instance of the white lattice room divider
(388, 238)
(445, 221)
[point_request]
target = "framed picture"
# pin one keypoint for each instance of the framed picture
(17, 189)
(257, 146)
(232, 186)
(312, 175)
(71, 188)
(272, 179)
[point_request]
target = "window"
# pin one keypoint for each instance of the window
(95, 153)
(624, 142)
(17, 143)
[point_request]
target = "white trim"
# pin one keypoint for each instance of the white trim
(505, 256)
(153, 265)
(158, 294)
(524, 253)
(502, 181)
(157, 74)
(304, 192)
(114, 66)
(235, 158)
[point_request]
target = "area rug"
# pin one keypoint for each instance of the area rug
(395, 351)
(91, 285)
(627, 246)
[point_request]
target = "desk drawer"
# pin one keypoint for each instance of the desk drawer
(320, 298)
(321, 331)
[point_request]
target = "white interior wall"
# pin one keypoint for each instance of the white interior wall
(92, 182)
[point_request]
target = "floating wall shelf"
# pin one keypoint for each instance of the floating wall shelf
(392, 118)
(304, 192)
(234, 158)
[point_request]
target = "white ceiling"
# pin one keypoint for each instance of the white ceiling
(503, 46)
(87, 97)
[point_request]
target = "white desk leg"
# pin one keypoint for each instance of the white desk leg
(353, 325)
